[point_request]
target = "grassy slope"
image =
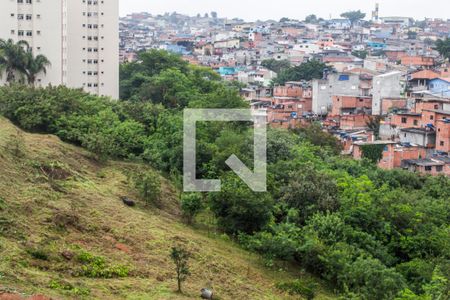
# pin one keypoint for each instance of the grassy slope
(83, 213)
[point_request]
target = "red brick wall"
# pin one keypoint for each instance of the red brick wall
(420, 106)
(408, 153)
(417, 61)
(387, 104)
(341, 102)
(397, 120)
(354, 121)
(442, 136)
(288, 91)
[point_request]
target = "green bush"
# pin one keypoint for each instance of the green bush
(38, 253)
(191, 205)
(97, 267)
(298, 287)
(148, 184)
(69, 288)
(238, 208)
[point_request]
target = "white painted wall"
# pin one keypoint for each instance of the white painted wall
(61, 31)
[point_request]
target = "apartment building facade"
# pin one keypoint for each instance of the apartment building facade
(79, 37)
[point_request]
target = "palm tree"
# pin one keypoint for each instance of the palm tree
(34, 66)
(13, 59)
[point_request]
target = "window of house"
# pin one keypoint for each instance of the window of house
(428, 168)
(439, 168)
(431, 117)
(416, 122)
(404, 120)
(436, 106)
(442, 143)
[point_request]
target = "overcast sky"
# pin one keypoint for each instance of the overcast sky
(275, 9)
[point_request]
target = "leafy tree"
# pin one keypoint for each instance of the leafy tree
(276, 65)
(148, 184)
(373, 152)
(280, 241)
(443, 47)
(239, 209)
(191, 205)
(171, 88)
(311, 191)
(354, 16)
(311, 19)
(180, 257)
(360, 54)
(148, 64)
(312, 69)
(370, 278)
(374, 125)
(315, 134)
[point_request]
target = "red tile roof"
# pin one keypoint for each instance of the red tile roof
(425, 74)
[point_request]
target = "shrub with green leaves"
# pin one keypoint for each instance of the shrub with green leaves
(180, 257)
(97, 267)
(148, 184)
(191, 205)
(298, 287)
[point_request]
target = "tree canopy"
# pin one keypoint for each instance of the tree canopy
(312, 69)
(354, 16)
(19, 63)
(443, 47)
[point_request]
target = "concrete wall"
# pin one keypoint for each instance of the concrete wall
(323, 90)
(423, 140)
(385, 86)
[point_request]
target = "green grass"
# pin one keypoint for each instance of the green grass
(60, 214)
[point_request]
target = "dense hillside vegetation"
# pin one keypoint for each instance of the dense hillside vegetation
(65, 233)
(371, 234)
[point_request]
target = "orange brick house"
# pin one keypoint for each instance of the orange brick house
(393, 153)
(390, 104)
(430, 116)
(294, 94)
(406, 120)
(443, 135)
(418, 61)
(351, 105)
(349, 122)
(421, 104)
(433, 166)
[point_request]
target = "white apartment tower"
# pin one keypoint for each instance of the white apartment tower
(79, 37)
